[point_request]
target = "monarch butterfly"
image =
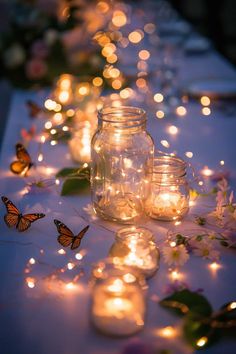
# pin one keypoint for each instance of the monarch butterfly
(15, 218)
(24, 163)
(67, 238)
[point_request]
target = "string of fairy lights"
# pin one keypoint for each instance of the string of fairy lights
(63, 107)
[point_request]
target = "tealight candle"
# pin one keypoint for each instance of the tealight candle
(118, 304)
(135, 247)
(169, 198)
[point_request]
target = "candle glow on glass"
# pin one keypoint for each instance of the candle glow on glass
(207, 172)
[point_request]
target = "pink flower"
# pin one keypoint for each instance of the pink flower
(39, 49)
(35, 69)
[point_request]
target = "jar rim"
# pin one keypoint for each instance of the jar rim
(122, 114)
(126, 232)
(166, 164)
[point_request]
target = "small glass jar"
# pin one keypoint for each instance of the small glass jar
(135, 247)
(118, 299)
(169, 196)
(122, 161)
(80, 142)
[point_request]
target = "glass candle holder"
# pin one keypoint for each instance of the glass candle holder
(122, 160)
(118, 300)
(169, 196)
(80, 142)
(135, 247)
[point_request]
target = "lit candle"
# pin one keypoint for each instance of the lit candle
(135, 247)
(118, 305)
(169, 197)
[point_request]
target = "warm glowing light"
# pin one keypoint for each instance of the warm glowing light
(214, 266)
(53, 131)
(48, 125)
(70, 112)
(61, 251)
(32, 261)
(175, 275)
(57, 108)
(189, 154)
(144, 54)
(135, 37)
(181, 111)
(64, 96)
(70, 265)
(50, 104)
(167, 332)
(222, 162)
(83, 90)
(97, 81)
(172, 244)
(57, 181)
(202, 341)
(165, 143)
(205, 101)
(79, 256)
(40, 157)
(207, 172)
(160, 114)
(178, 223)
(30, 282)
(111, 59)
(116, 84)
(206, 111)
(53, 142)
(65, 128)
(200, 183)
(141, 83)
(119, 18)
(114, 73)
(70, 286)
(232, 306)
(173, 130)
(43, 139)
(158, 97)
(102, 6)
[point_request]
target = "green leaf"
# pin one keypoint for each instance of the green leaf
(184, 301)
(74, 186)
(65, 172)
(196, 328)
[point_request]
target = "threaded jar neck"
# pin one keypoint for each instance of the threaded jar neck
(123, 117)
(167, 169)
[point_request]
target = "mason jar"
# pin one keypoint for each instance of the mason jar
(135, 246)
(169, 195)
(118, 303)
(122, 161)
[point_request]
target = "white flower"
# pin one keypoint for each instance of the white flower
(177, 255)
(14, 56)
(205, 250)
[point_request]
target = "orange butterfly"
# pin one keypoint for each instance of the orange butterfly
(66, 236)
(24, 163)
(15, 218)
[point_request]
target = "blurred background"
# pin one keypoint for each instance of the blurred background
(42, 39)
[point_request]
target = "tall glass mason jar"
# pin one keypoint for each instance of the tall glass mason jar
(122, 161)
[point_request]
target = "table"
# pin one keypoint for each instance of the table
(49, 319)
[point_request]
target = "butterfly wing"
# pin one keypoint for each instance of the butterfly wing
(77, 239)
(13, 214)
(19, 167)
(26, 220)
(22, 154)
(24, 162)
(66, 236)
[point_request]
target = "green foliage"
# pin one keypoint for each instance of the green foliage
(201, 326)
(76, 180)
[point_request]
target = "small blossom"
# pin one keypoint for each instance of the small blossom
(205, 250)
(177, 255)
(36, 69)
